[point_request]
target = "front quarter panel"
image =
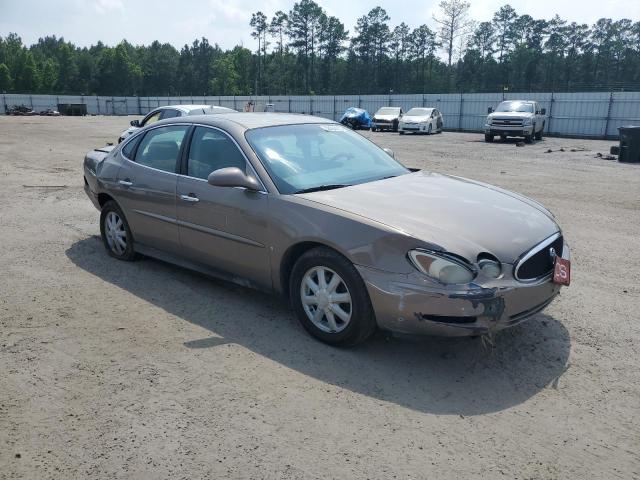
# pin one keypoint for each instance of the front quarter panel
(296, 220)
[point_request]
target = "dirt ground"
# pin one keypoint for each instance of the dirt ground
(145, 370)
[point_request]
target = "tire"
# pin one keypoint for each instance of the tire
(429, 129)
(503, 138)
(112, 213)
(528, 139)
(395, 126)
(488, 137)
(355, 321)
(539, 134)
(401, 132)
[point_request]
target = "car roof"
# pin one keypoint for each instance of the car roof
(249, 120)
(186, 108)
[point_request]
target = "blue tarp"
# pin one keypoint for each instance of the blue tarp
(357, 117)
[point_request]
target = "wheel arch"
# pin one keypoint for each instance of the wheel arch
(291, 256)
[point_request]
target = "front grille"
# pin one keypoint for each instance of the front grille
(538, 262)
(380, 120)
(507, 122)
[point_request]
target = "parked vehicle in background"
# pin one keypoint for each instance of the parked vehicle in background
(387, 118)
(356, 118)
(171, 111)
(304, 206)
(50, 112)
(19, 110)
(516, 118)
(421, 120)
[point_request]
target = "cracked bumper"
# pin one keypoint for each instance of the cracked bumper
(411, 303)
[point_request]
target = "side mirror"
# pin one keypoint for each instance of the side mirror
(389, 152)
(543, 111)
(232, 177)
(490, 110)
(135, 123)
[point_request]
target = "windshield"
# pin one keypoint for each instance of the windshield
(388, 111)
(419, 112)
(515, 107)
(313, 156)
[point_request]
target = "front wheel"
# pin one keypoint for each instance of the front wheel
(539, 134)
(429, 129)
(115, 232)
(488, 138)
(401, 132)
(330, 299)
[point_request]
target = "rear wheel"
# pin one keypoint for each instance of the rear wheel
(488, 137)
(115, 232)
(330, 299)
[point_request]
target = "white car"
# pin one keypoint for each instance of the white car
(171, 111)
(421, 120)
(516, 118)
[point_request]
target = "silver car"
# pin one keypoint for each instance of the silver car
(171, 111)
(387, 118)
(309, 209)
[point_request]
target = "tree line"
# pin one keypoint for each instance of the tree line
(307, 51)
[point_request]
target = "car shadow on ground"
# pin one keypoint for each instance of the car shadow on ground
(435, 375)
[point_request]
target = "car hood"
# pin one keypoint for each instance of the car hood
(455, 214)
(385, 117)
(416, 119)
(510, 115)
(129, 131)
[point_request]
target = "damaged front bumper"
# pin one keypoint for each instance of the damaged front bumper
(413, 304)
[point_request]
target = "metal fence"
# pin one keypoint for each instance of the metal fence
(581, 114)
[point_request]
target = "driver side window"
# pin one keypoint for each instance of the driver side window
(151, 119)
(212, 150)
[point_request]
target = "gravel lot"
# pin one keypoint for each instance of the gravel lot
(145, 370)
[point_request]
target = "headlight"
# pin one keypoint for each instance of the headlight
(526, 121)
(490, 268)
(442, 268)
(490, 121)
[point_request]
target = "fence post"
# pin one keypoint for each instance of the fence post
(606, 125)
(139, 106)
(4, 102)
(423, 101)
(310, 105)
(289, 107)
(460, 112)
(550, 113)
(359, 101)
(113, 105)
(334, 108)
(97, 104)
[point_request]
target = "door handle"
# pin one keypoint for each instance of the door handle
(125, 183)
(189, 198)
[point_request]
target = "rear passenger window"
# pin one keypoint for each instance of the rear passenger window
(169, 113)
(160, 147)
(211, 150)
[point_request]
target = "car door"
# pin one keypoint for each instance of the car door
(225, 228)
(147, 186)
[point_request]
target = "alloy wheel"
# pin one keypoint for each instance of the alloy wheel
(326, 299)
(115, 233)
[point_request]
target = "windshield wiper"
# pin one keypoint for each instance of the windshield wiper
(320, 188)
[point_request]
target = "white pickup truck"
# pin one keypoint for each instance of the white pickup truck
(516, 118)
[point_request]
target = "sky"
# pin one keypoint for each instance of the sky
(226, 22)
